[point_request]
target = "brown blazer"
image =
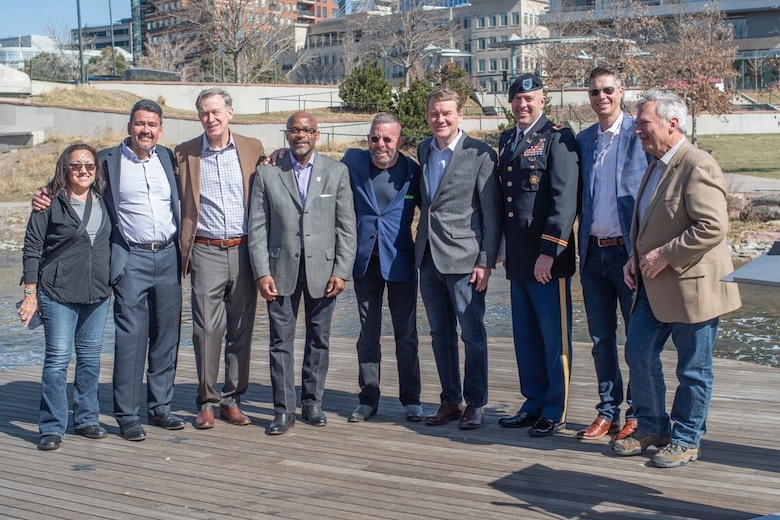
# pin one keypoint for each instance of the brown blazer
(187, 154)
(688, 219)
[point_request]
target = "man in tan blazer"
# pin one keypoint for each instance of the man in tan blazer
(679, 255)
(215, 171)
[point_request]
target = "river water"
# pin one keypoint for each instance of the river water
(751, 333)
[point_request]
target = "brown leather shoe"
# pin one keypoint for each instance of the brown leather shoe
(205, 419)
(445, 414)
(628, 429)
(598, 429)
(471, 418)
(233, 415)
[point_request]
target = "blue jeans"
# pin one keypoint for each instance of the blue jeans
(541, 327)
(450, 300)
(402, 300)
(693, 341)
(603, 289)
(64, 326)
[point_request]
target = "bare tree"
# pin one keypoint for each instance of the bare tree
(243, 30)
(405, 38)
(695, 58)
(171, 55)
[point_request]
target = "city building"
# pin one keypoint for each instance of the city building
(756, 26)
(482, 43)
(117, 35)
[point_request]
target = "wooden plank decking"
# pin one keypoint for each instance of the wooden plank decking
(387, 467)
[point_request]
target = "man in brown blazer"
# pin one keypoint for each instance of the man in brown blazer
(215, 171)
(679, 255)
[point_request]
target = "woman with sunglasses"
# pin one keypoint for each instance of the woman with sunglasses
(65, 255)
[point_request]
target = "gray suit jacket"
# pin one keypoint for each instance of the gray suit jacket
(462, 224)
(327, 223)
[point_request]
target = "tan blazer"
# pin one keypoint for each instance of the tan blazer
(187, 155)
(688, 219)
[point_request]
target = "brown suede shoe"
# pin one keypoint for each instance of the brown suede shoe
(445, 414)
(205, 419)
(233, 415)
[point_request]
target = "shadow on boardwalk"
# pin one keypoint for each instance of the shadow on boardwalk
(387, 467)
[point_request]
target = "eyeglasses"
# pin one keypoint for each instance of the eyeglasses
(606, 90)
(376, 138)
(305, 131)
(76, 167)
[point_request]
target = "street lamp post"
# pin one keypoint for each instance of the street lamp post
(82, 70)
(113, 45)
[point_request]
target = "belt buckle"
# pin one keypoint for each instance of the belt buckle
(224, 243)
(156, 246)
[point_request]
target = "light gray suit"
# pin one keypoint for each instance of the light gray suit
(301, 247)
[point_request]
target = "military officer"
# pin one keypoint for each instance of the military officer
(539, 170)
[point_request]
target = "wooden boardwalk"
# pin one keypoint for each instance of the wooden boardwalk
(387, 467)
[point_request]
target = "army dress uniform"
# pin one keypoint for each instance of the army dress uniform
(540, 182)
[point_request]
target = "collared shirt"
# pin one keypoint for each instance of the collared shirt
(606, 219)
(302, 176)
(222, 212)
(659, 167)
(437, 163)
(144, 206)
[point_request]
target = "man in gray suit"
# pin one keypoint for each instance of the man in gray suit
(301, 244)
(457, 242)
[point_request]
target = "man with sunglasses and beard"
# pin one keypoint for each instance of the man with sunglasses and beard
(385, 186)
(611, 169)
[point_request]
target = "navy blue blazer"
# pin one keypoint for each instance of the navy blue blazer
(391, 227)
(632, 162)
(111, 159)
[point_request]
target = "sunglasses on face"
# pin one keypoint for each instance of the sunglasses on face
(376, 138)
(606, 90)
(76, 167)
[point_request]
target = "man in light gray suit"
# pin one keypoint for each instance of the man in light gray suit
(457, 242)
(302, 242)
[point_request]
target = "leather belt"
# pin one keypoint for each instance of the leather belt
(152, 246)
(607, 242)
(221, 242)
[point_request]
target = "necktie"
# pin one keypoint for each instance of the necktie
(517, 140)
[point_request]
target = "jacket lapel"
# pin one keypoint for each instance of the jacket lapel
(287, 176)
(316, 179)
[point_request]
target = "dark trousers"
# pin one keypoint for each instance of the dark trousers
(402, 300)
(541, 326)
(147, 316)
(282, 319)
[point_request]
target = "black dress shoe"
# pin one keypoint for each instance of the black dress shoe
(49, 442)
(167, 420)
(544, 427)
(313, 415)
(518, 420)
(93, 431)
(133, 431)
(281, 423)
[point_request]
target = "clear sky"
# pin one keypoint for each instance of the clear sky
(22, 17)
